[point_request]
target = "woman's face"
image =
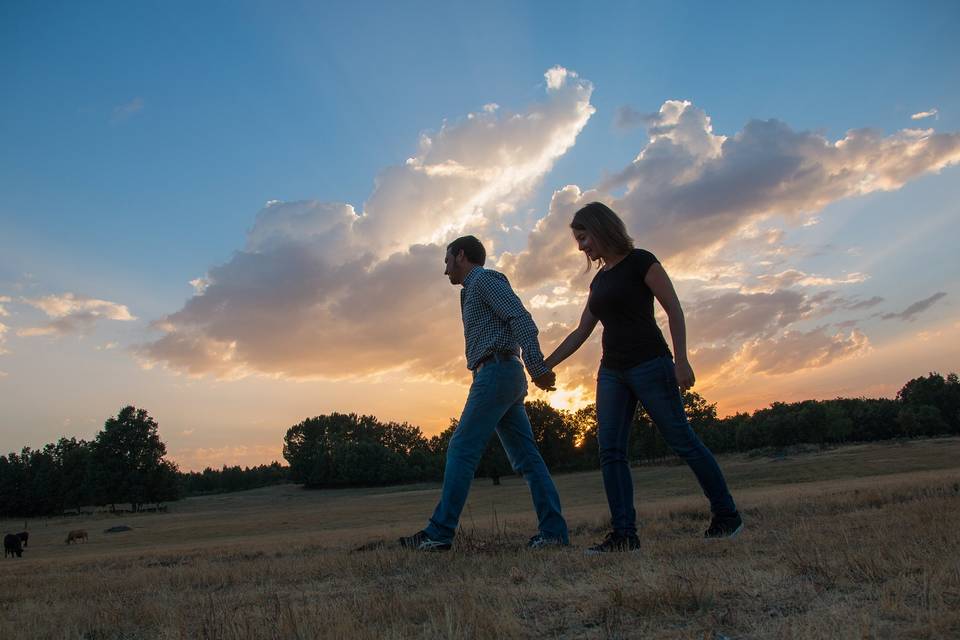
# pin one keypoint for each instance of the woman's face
(586, 243)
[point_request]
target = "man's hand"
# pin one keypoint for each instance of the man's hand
(685, 377)
(547, 381)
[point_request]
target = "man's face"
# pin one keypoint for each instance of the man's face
(453, 267)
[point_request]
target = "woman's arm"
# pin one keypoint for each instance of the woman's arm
(659, 283)
(573, 341)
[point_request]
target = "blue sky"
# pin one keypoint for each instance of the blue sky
(138, 143)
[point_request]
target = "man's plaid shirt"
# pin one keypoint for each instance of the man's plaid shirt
(494, 320)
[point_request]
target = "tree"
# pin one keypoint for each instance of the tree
(920, 420)
(128, 460)
(73, 458)
(555, 434)
(494, 464)
(347, 449)
(702, 416)
(838, 425)
(584, 423)
(938, 392)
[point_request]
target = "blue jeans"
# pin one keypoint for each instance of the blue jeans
(495, 402)
(654, 384)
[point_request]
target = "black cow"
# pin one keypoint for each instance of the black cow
(24, 536)
(11, 545)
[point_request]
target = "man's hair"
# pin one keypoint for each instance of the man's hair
(471, 247)
(605, 227)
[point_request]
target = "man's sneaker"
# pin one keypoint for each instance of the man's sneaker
(615, 542)
(724, 527)
(420, 541)
(540, 541)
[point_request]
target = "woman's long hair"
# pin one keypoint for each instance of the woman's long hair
(605, 227)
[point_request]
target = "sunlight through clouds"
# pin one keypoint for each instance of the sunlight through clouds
(321, 290)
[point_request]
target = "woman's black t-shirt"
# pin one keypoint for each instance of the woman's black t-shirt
(623, 303)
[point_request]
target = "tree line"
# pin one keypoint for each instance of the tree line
(125, 464)
(340, 450)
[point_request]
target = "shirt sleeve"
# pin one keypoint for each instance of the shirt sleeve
(644, 262)
(496, 291)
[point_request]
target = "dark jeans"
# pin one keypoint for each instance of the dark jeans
(654, 384)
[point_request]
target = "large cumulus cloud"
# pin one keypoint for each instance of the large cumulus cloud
(335, 290)
(321, 289)
(689, 190)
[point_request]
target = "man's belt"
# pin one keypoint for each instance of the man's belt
(496, 356)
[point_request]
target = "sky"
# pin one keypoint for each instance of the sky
(234, 215)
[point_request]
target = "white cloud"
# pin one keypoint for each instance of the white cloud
(70, 304)
(628, 118)
(732, 315)
(199, 285)
(73, 313)
(791, 277)
(932, 113)
(915, 309)
(690, 191)
(321, 290)
(557, 77)
(3, 333)
(798, 350)
(855, 304)
(129, 109)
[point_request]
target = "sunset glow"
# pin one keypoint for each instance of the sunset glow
(237, 239)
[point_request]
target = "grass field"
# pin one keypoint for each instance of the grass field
(857, 542)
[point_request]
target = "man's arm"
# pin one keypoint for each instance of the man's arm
(496, 291)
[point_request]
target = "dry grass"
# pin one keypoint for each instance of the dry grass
(860, 542)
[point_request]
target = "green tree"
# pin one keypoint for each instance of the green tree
(702, 416)
(347, 449)
(920, 420)
(555, 433)
(584, 422)
(127, 459)
(838, 425)
(935, 391)
(494, 463)
(74, 459)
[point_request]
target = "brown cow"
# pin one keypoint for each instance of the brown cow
(77, 535)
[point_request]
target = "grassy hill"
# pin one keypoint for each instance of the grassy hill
(860, 541)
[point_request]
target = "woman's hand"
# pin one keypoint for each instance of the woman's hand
(685, 377)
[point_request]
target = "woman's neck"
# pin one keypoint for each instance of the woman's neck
(612, 261)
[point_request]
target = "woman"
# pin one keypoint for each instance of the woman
(637, 366)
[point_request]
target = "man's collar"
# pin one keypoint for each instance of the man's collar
(474, 272)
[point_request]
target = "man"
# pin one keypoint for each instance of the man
(495, 326)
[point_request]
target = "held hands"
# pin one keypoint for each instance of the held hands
(546, 381)
(685, 377)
